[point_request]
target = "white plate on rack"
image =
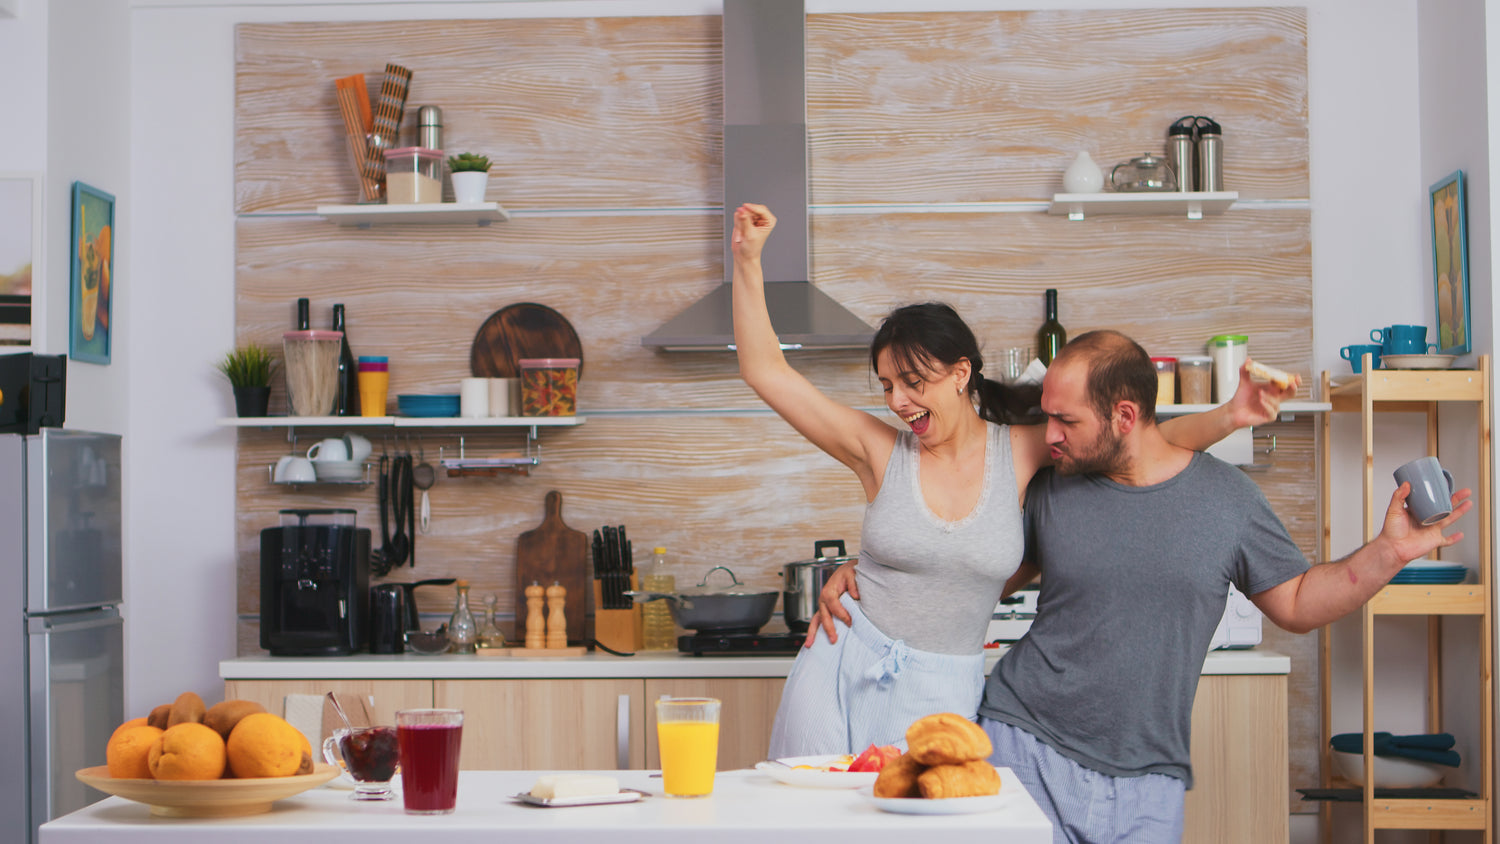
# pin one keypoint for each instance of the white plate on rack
(787, 771)
(1416, 361)
(948, 806)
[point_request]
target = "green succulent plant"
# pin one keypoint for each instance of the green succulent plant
(468, 162)
(250, 365)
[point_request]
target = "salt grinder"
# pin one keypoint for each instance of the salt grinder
(536, 625)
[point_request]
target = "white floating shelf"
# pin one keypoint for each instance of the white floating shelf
(401, 422)
(1288, 408)
(1191, 204)
(364, 216)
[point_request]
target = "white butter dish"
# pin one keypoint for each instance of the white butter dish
(625, 795)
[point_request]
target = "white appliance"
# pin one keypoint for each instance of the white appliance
(1240, 627)
(64, 661)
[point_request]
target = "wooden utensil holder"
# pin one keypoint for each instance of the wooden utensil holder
(619, 630)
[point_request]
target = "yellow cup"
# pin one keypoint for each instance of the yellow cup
(687, 735)
(372, 390)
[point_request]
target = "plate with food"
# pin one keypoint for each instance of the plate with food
(831, 771)
(941, 806)
(557, 790)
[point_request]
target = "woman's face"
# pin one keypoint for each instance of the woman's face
(929, 401)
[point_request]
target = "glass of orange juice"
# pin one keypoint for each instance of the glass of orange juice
(687, 735)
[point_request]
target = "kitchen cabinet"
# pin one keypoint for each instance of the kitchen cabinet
(1419, 391)
(564, 724)
(1241, 786)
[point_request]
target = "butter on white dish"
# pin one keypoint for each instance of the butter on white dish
(567, 786)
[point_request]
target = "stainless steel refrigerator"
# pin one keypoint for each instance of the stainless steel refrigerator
(62, 665)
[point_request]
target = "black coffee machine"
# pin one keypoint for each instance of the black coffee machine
(314, 584)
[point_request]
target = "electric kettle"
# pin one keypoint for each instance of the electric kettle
(1147, 173)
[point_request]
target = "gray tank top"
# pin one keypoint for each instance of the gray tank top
(930, 582)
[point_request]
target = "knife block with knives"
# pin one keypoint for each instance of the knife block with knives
(617, 617)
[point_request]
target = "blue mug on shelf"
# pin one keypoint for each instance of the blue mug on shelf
(1402, 339)
(1355, 355)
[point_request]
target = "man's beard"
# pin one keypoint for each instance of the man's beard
(1106, 454)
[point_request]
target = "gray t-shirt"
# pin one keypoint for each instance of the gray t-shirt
(930, 582)
(1134, 581)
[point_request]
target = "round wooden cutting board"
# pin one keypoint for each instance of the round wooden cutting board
(522, 330)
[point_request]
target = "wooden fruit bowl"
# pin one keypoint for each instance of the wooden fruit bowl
(206, 798)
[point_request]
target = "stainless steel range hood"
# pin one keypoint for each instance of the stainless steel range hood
(765, 161)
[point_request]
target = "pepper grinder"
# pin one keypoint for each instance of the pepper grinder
(536, 626)
(557, 622)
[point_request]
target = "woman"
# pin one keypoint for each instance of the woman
(942, 529)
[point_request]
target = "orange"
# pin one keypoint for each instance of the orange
(129, 749)
(187, 751)
(265, 745)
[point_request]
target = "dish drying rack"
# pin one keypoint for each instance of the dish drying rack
(464, 466)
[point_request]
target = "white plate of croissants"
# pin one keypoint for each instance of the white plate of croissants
(945, 771)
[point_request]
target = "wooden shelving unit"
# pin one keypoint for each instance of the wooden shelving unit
(1414, 391)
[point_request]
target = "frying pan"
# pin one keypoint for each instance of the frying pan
(522, 330)
(732, 609)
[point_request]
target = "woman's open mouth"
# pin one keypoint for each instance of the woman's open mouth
(918, 421)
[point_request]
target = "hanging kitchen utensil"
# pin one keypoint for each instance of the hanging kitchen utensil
(423, 476)
(380, 558)
(555, 553)
(524, 330)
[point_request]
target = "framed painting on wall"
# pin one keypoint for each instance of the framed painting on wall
(90, 282)
(1450, 264)
(20, 257)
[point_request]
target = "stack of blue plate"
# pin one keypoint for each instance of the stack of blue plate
(439, 405)
(1431, 572)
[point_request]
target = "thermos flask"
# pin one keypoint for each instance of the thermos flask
(1180, 152)
(430, 127)
(1210, 155)
(387, 619)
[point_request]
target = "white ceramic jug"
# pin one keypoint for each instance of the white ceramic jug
(1083, 175)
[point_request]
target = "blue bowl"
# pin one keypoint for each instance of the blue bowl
(430, 406)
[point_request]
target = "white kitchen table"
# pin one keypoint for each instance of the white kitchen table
(746, 808)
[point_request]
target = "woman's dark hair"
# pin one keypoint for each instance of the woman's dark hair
(931, 337)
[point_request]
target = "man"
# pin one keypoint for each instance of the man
(1139, 541)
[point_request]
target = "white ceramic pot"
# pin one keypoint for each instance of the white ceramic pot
(1390, 771)
(468, 186)
(1083, 176)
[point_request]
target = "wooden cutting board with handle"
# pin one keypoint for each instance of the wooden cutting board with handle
(555, 553)
(519, 331)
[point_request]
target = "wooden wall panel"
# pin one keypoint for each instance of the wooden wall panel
(994, 105)
(624, 114)
(573, 112)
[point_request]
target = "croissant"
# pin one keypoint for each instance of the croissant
(899, 778)
(947, 739)
(970, 779)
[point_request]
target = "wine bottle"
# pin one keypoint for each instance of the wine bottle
(1051, 336)
(304, 321)
(347, 402)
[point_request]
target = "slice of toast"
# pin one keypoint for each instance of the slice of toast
(1261, 372)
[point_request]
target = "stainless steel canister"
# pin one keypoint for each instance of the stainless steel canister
(1210, 155)
(1180, 152)
(430, 127)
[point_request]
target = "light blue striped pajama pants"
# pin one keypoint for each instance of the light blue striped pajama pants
(866, 689)
(1084, 805)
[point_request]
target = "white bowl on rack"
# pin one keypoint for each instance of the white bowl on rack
(1390, 771)
(339, 470)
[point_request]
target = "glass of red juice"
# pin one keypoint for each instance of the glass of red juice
(370, 755)
(429, 740)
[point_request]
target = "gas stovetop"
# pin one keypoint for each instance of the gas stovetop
(729, 644)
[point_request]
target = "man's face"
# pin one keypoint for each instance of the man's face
(1079, 441)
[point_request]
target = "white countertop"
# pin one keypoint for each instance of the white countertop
(745, 808)
(601, 665)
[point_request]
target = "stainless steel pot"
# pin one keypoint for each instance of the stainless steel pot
(804, 579)
(720, 609)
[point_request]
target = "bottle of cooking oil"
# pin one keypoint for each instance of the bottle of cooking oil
(659, 633)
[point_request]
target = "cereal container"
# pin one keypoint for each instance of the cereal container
(549, 386)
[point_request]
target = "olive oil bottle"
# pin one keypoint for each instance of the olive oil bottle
(1051, 336)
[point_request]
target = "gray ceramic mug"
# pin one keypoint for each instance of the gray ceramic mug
(1431, 498)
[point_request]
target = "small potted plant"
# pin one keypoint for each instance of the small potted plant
(471, 172)
(249, 369)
